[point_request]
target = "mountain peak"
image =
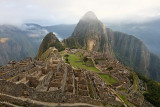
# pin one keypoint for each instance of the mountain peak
(89, 16)
(50, 40)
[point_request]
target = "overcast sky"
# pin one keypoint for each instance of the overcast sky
(52, 12)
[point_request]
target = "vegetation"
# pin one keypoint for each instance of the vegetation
(45, 55)
(109, 68)
(153, 92)
(50, 40)
(76, 62)
(108, 79)
(66, 58)
(123, 90)
(66, 55)
(124, 98)
(131, 78)
(91, 93)
(134, 80)
(85, 59)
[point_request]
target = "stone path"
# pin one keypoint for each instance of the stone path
(46, 104)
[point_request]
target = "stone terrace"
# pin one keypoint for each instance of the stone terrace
(53, 81)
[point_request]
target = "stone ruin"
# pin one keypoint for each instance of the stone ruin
(54, 81)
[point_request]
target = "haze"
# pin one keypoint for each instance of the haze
(52, 12)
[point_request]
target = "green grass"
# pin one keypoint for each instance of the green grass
(135, 82)
(123, 90)
(124, 98)
(77, 62)
(108, 79)
(79, 54)
(45, 55)
(62, 52)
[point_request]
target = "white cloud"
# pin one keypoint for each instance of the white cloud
(50, 12)
(57, 35)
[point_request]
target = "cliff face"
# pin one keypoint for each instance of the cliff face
(50, 40)
(154, 67)
(89, 34)
(132, 52)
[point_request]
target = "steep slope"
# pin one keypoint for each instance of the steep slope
(17, 43)
(132, 52)
(148, 32)
(154, 67)
(14, 44)
(50, 40)
(89, 34)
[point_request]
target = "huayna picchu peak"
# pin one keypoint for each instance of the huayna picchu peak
(89, 16)
(90, 33)
(85, 70)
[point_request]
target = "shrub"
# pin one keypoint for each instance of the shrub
(109, 68)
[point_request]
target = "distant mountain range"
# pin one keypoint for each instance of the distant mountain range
(19, 42)
(148, 32)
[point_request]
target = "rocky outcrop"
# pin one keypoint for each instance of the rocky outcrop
(89, 34)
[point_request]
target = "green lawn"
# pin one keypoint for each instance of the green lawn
(108, 79)
(123, 90)
(76, 62)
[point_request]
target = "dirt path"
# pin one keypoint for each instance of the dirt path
(40, 103)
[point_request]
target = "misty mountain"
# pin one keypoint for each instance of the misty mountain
(28, 37)
(90, 34)
(148, 32)
(63, 31)
(17, 43)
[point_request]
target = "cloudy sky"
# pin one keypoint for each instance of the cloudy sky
(52, 12)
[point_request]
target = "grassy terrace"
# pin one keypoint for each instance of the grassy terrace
(45, 55)
(108, 79)
(135, 80)
(76, 62)
(124, 98)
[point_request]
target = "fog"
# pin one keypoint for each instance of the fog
(53, 12)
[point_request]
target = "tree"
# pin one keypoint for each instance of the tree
(85, 59)
(66, 55)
